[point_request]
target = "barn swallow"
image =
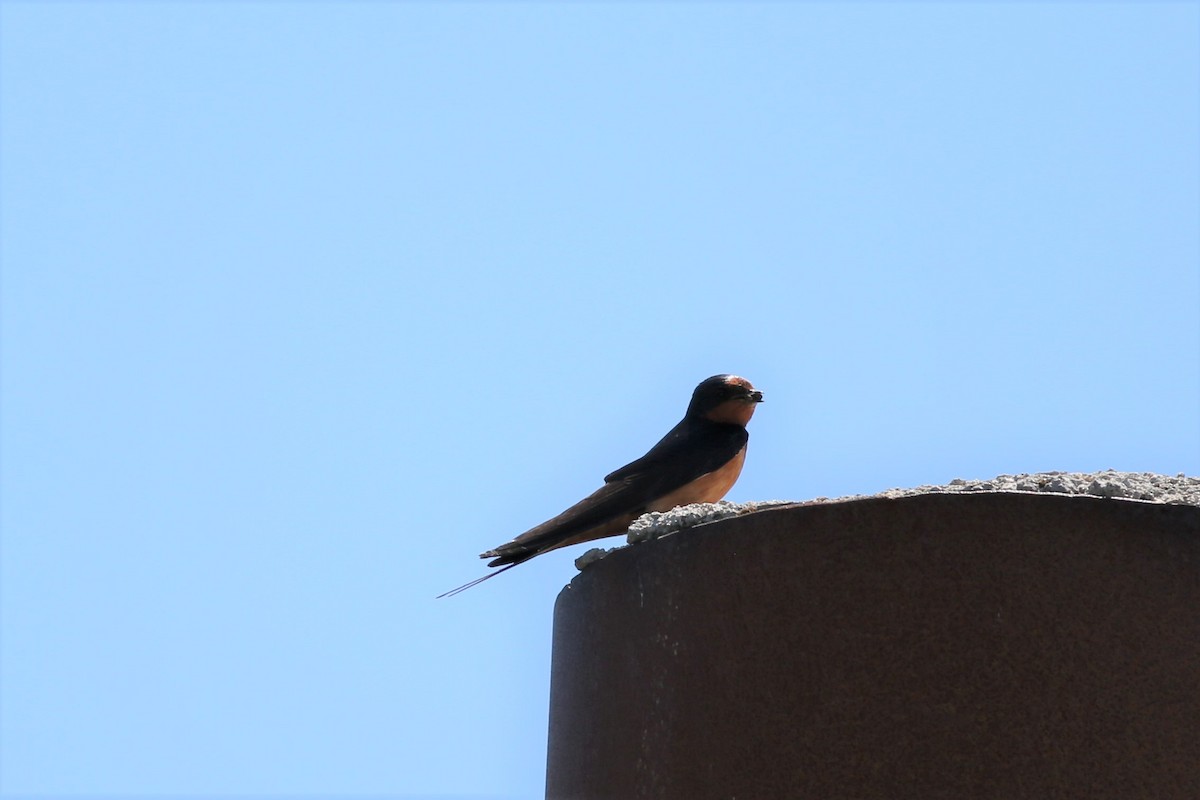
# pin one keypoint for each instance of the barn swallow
(698, 461)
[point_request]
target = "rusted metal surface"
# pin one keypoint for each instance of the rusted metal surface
(940, 646)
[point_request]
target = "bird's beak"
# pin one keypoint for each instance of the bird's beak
(756, 396)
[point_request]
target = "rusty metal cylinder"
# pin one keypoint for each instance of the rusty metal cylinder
(939, 646)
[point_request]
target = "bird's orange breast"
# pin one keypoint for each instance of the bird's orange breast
(708, 488)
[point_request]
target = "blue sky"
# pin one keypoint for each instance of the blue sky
(306, 304)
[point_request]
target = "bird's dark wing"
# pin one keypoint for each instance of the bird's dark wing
(683, 455)
(691, 449)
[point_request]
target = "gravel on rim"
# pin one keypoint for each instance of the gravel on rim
(1141, 486)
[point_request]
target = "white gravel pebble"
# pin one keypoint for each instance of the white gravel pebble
(1145, 486)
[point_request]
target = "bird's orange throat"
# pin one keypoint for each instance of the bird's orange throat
(733, 412)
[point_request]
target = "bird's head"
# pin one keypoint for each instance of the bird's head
(725, 398)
